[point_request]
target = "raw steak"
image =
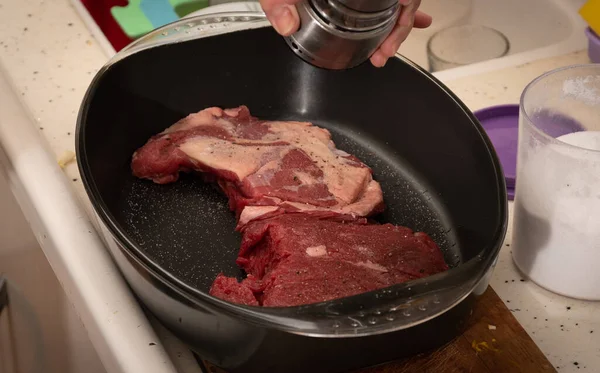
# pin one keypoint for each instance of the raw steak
(264, 167)
(301, 205)
(230, 289)
(297, 259)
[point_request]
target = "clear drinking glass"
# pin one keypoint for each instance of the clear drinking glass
(463, 45)
(556, 226)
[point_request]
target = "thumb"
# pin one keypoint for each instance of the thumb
(282, 14)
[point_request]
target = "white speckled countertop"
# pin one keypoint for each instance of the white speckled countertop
(51, 56)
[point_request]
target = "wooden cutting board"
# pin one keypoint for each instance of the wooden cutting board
(481, 349)
(494, 342)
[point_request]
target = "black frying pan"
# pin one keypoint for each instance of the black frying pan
(437, 168)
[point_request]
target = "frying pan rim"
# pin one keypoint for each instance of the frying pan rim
(260, 315)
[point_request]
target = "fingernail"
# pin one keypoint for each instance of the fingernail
(378, 60)
(283, 20)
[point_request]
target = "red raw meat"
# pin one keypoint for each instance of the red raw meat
(229, 289)
(301, 206)
(297, 259)
(264, 167)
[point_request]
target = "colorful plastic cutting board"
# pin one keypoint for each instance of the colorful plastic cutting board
(590, 12)
(139, 17)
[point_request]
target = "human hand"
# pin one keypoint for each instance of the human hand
(282, 14)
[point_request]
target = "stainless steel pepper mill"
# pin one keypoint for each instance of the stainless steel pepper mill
(341, 34)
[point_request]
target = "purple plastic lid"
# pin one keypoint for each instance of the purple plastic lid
(501, 123)
(593, 45)
(510, 192)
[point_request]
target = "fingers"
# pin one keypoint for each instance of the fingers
(398, 34)
(422, 20)
(378, 59)
(409, 17)
(282, 14)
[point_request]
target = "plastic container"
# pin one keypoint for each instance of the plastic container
(457, 46)
(501, 123)
(593, 45)
(556, 231)
(590, 12)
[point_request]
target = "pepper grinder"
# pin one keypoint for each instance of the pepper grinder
(341, 34)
